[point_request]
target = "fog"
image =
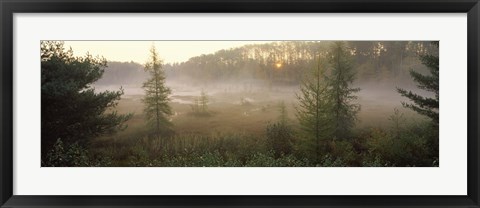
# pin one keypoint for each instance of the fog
(256, 102)
(245, 86)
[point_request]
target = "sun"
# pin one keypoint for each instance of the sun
(278, 65)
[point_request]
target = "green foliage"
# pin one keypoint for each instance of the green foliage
(208, 159)
(406, 145)
(269, 160)
(375, 162)
(339, 93)
(71, 109)
(139, 155)
(326, 111)
(424, 105)
(329, 161)
(313, 111)
(379, 144)
(156, 98)
(280, 135)
(195, 151)
(280, 138)
(64, 156)
(380, 148)
(343, 150)
(427, 106)
(74, 155)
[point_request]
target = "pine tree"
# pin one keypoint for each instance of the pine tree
(325, 110)
(339, 92)
(71, 109)
(424, 105)
(156, 98)
(313, 110)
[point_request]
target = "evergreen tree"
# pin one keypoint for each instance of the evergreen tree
(71, 109)
(313, 110)
(203, 102)
(325, 109)
(425, 105)
(156, 98)
(340, 94)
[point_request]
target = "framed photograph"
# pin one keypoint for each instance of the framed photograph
(239, 104)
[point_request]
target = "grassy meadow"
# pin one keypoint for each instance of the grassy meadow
(235, 131)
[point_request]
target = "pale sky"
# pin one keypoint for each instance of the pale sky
(138, 51)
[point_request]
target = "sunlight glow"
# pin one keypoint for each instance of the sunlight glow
(278, 65)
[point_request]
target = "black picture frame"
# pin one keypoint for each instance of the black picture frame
(9, 7)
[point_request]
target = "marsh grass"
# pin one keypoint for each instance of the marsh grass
(229, 137)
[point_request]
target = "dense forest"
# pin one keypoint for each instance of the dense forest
(278, 104)
(374, 61)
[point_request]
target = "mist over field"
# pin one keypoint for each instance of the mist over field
(377, 100)
(273, 104)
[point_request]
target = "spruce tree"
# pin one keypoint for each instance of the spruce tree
(339, 91)
(156, 97)
(426, 106)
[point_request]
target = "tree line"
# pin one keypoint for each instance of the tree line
(285, 62)
(282, 63)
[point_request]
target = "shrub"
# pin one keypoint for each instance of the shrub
(342, 150)
(330, 161)
(375, 162)
(268, 160)
(66, 156)
(408, 146)
(279, 138)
